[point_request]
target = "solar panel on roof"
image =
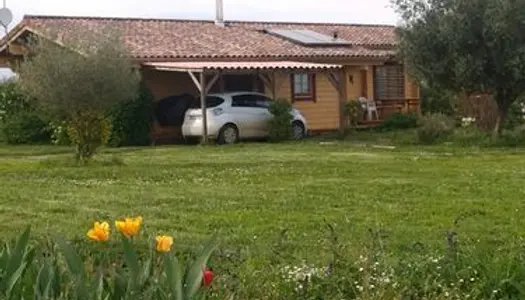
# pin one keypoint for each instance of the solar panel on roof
(308, 37)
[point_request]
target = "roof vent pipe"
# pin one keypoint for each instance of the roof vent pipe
(219, 13)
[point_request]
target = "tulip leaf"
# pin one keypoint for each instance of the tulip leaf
(42, 279)
(132, 262)
(173, 276)
(146, 271)
(4, 257)
(18, 254)
(56, 278)
(74, 262)
(13, 279)
(99, 284)
(119, 286)
(193, 278)
(75, 266)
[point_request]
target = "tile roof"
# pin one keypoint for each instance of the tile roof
(154, 39)
(238, 65)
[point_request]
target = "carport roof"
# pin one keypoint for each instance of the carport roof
(202, 66)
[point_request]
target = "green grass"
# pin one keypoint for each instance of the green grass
(252, 192)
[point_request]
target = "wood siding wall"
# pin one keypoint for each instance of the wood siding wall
(164, 84)
(323, 114)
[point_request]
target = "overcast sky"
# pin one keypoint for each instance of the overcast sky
(347, 11)
(342, 11)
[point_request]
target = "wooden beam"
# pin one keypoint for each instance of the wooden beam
(274, 90)
(17, 49)
(203, 108)
(196, 81)
(338, 82)
(335, 80)
(364, 83)
(212, 82)
(268, 82)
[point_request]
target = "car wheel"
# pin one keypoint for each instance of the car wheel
(298, 130)
(229, 134)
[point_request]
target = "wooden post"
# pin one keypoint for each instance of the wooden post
(337, 79)
(204, 108)
(274, 88)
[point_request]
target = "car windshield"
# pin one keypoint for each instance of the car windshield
(211, 101)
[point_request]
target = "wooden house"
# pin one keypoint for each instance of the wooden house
(316, 66)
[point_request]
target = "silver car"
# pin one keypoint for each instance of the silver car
(236, 116)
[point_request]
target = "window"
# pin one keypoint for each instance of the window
(250, 100)
(389, 82)
(211, 102)
(303, 87)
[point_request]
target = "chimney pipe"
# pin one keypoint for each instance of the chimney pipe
(219, 13)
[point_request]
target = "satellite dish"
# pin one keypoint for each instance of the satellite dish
(6, 16)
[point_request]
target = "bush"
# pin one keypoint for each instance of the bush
(131, 121)
(353, 111)
(12, 100)
(59, 134)
(433, 128)
(512, 138)
(88, 132)
(470, 136)
(436, 100)
(25, 127)
(280, 128)
(515, 115)
(399, 121)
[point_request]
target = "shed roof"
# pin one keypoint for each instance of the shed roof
(169, 39)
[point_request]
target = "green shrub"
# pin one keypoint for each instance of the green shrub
(436, 100)
(433, 128)
(353, 111)
(12, 100)
(512, 137)
(59, 134)
(25, 127)
(131, 121)
(280, 128)
(399, 121)
(515, 115)
(470, 136)
(88, 132)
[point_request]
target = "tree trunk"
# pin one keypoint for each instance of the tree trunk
(503, 108)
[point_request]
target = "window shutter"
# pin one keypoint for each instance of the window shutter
(389, 82)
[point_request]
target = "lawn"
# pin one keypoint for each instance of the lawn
(252, 193)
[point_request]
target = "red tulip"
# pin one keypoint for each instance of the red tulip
(207, 277)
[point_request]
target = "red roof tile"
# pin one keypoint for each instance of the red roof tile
(150, 39)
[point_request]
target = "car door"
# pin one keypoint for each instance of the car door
(264, 115)
(250, 115)
(242, 112)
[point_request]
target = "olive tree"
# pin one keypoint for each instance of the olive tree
(466, 46)
(79, 80)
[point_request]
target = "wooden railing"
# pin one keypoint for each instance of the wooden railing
(387, 107)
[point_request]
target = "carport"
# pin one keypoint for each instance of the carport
(266, 70)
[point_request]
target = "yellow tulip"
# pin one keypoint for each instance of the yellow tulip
(164, 243)
(130, 226)
(99, 232)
